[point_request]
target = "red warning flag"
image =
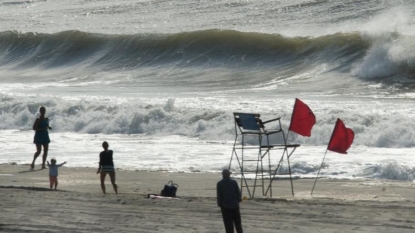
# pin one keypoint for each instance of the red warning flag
(302, 119)
(341, 139)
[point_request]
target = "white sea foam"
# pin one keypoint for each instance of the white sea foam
(376, 123)
(183, 154)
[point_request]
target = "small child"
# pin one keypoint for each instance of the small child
(53, 172)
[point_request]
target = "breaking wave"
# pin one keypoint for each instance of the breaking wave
(388, 56)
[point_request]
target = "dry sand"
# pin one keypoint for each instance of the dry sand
(28, 205)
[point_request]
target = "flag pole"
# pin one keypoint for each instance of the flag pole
(318, 173)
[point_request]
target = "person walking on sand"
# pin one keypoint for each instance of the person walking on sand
(53, 172)
(228, 197)
(106, 166)
(41, 127)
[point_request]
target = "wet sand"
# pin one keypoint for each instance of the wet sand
(28, 205)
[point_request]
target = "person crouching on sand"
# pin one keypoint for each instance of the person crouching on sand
(53, 172)
(106, 166)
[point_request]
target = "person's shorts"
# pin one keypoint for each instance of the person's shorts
(53, 179)
(107, 169)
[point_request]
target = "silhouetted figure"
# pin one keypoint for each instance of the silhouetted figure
(41, 127)
(228, 197)
(106, 166)
(53, 172)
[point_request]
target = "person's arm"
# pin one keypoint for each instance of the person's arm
(48, 127)
(48, 163)
(111, 155)
(61, 164)
(218, 195)
(36, 124)
(238, 192)
(99, 164)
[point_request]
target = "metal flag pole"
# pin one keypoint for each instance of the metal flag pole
(318, 173)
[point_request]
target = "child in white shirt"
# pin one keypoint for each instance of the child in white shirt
(53, 172)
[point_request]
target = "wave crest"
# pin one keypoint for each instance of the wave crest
(388, 56)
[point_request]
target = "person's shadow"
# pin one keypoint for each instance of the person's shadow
(31, 170)
(31, 188)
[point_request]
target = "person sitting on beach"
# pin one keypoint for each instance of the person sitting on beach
(228, 197)
(106, 166)
(41, 127)
(53, 172)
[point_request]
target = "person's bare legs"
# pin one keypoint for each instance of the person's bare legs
(56, 183)
(37, 153)
(45, 155)
(103, 174)
(112, 176)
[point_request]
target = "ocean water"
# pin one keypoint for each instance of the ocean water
(159, 80)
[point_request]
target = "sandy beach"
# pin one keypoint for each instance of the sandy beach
(28, 205)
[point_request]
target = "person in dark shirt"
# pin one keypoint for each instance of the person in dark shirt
(228, 197)
(41, 127)
(106, 166)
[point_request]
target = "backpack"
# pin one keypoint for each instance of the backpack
(169, 189)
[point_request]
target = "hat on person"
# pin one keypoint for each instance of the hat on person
(226, 171)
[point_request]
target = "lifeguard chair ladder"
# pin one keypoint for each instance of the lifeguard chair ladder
(287, 151)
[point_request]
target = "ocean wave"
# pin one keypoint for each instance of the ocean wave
(389, 170)
(375, 58)
(380, 129)
(207, 47)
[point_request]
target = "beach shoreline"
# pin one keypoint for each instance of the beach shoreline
(28, 205)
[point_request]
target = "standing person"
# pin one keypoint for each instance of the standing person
(106, 166)
(53, 172)
(41, 127)
(228, 197)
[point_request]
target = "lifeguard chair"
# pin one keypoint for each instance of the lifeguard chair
(253, 156)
